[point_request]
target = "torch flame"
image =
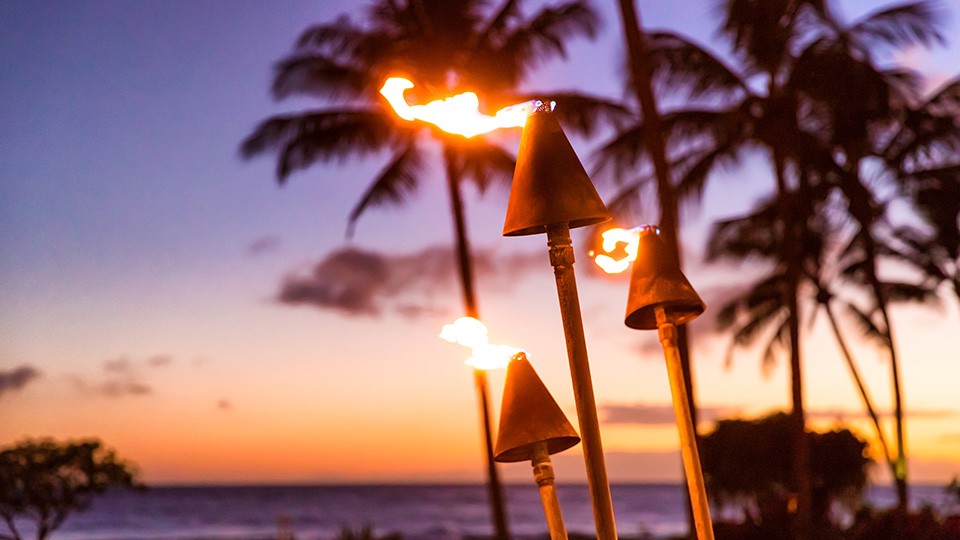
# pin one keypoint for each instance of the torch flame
(472, 333)
(611, 238)
(458, 114)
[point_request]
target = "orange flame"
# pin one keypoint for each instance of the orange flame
(613, 237)
(472, 333)
(458, 114)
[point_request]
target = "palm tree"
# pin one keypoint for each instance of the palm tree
(443, 47)
(923, 154)
(666, 192)
(763, 35)
(776, 41)
(832, 70)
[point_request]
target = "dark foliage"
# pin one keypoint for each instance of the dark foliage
(44, 481)
(747, 465)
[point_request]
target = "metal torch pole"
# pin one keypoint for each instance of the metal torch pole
(688, 441)
(543, 474)
(562, 259)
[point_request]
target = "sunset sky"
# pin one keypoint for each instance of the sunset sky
(142, 260)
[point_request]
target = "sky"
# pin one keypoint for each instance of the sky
(146, 273)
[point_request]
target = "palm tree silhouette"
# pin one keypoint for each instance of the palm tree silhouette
(832, 70)
(443, 47)
(781, 45)
(640, 81)
(923, 153)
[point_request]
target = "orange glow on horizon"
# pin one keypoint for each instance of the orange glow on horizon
(458, 114)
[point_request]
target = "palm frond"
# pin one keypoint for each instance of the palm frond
(544, 35)
(486, 163)
(338, 37)
(866, 325)
(694, 180)
(623, 152)
(900, 26)
(751, 235)
(305, 138)
(779, 337)
(320, 76)
(628, 201)
(680, 64)
(899, 291)
(495, 28)
(393, 185)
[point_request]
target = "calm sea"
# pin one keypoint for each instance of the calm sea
(418, 512)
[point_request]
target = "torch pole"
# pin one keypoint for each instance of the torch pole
(688, 441)
(543, 474)
(494, 487)
(562, 259)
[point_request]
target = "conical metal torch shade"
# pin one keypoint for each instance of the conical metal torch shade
(656, 281)
(529, 415)
(549, 185)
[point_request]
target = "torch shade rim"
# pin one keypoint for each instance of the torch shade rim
(525, 452)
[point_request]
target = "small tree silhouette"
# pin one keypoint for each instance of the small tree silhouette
(44, 481)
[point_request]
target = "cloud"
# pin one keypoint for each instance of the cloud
(118, 365)
(829, 414)
(263, 245)
(652, 415)
(114, 388)
(124, 376)
(949, 438)
(17, 378)
(123, 388)
(357, 282)
(160, 360)
(224, 405)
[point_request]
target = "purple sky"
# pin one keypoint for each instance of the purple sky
(130, 229)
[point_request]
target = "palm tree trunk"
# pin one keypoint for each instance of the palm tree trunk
(792, 257)
(864, 217)
(669, 221)
(494, 486)
(860, 387)
(900, 471)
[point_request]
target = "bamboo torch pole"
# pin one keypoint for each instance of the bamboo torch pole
(562, 259)
(543, 474)
(688, 440)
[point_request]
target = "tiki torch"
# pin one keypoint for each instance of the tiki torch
(532, 427)
(661, 298)
(551, 193)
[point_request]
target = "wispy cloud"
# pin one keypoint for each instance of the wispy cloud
(16, 378)
(263, 245)
(949, 438)
(860, 414)
(653, 414)
(113, 388)
(118, 365)
(160, 360)
(123, 377)
(365, 283)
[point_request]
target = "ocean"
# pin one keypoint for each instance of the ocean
(417, 512)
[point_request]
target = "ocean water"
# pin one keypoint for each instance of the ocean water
(418, 512)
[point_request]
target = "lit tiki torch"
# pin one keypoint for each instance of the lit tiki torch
(661, 298)
(460, 115)
(551, 193)
(532, 427)
(472, 333)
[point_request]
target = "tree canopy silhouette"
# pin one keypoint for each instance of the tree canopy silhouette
(44, 481)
